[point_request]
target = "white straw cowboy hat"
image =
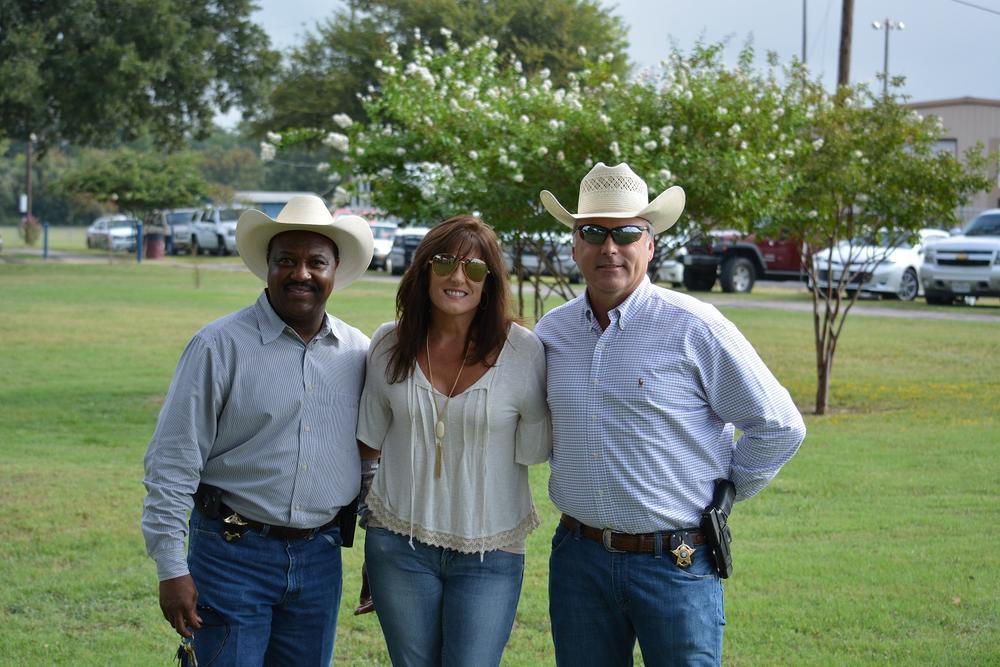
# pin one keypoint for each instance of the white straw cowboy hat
(352, 234)
(617, 192)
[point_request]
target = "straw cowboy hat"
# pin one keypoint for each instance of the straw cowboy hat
(617, 192)
(352, 234)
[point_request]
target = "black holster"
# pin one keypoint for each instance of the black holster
(715, 526)
(208, 500)
(347, 517)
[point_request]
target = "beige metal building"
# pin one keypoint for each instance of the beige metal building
(968, 120)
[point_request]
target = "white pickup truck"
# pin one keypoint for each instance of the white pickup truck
(966, 265)
(214, 231)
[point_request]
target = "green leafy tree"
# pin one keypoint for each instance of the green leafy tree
(337, 63)
(89, 71)
(869, 181)
(136, 182)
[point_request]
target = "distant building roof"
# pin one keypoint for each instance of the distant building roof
(955, 102)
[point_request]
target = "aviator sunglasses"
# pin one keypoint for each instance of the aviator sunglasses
(623, 235)
(444, 265)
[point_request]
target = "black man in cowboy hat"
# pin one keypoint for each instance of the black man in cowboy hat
(646, 386)
(256, 439)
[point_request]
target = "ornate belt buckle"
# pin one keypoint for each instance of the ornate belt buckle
(606, 539)
(235, 519)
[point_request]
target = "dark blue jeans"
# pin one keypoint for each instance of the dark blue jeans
(263, 600)
(439, 607)
(600, 602)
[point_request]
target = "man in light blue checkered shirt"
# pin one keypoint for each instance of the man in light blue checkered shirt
(646, 388)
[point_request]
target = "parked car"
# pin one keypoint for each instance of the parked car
(403, 244)
(889, 266)
(671, 269)
(215, 231)
(115, 232)
(558, 258)
(178, 223)
(738, 261)
(383, 233)
(966, 265)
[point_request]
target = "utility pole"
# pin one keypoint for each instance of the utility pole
(27, 176)
(804, 26)
(886, 25)
(846, 23)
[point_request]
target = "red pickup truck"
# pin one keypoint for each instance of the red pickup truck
(737, 261)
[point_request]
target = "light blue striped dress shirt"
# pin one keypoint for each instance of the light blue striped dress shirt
(258, 413)
(643, 412)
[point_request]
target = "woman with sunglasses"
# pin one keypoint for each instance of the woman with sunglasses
(454, 406)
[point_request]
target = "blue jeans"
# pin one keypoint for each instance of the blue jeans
(441, 607)
(264, 600)
(600, 602)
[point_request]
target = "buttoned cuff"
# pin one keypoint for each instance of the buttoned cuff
(171, 564)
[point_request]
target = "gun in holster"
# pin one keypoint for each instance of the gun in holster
(347, 518)
(208, 500)
(715, 526)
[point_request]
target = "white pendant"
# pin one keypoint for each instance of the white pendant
(439, 429)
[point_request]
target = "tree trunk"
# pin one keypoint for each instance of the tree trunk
(846, 25)
(822, 386)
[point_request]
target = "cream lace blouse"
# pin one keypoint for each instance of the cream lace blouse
(494, 430)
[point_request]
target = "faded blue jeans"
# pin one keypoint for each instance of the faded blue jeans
(600, 602)
(441, 607)
(264, 600)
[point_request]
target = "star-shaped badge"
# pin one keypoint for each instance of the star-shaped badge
(683, 555)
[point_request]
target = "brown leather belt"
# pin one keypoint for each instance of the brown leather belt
(642, 543)
(235, 521)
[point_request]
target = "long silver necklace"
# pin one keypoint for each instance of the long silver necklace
(442, 413)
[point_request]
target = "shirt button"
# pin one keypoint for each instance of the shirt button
(593, 382)
(593, 418)
(307, 429)
(304, 467)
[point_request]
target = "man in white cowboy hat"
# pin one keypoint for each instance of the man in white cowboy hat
(645, 386)
(257, 434)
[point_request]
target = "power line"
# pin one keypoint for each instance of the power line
(985, 9)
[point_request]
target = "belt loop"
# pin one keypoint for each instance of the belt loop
(265, 529)
(658, 544)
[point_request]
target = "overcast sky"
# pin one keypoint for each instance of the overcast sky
(947, 49)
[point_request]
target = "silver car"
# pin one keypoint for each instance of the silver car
(114, 232)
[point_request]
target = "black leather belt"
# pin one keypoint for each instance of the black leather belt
(234, 524)
(641, 543)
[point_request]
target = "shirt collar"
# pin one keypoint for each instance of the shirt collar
(621, 314)
(271, 325)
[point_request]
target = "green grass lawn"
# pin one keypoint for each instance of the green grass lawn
(877, 544)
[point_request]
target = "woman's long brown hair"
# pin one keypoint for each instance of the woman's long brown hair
(459, 235)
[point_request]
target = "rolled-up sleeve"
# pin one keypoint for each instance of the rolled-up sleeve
(741, 390)
(374, 411)
(533, 436)
(176, 455)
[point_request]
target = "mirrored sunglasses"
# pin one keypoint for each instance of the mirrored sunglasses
(623, 235)
(445, 265)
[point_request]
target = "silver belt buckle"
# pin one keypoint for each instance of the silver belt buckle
(606, 539)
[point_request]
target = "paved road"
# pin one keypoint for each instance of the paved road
(864, 308)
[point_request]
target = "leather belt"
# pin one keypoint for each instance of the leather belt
(236, 521)
(642, 543)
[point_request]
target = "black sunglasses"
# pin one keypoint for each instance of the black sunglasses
(445, 265)
(623, 235)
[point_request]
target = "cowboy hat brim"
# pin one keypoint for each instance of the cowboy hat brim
(661, 213)
(351, 233)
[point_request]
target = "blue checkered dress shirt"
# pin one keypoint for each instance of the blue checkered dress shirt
(644, 412)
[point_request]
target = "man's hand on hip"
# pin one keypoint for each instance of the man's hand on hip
(178, 597)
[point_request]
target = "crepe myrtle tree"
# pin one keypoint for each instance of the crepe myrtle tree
(467, 129)
(872, 178)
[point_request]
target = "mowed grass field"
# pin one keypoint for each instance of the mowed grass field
(877, 544)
